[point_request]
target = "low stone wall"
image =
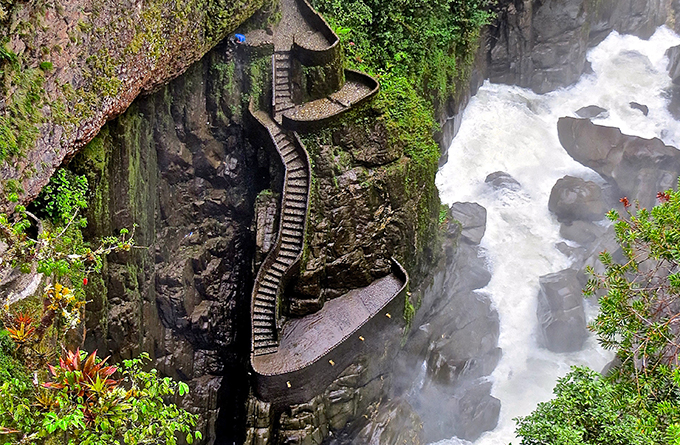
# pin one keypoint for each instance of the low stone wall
(308, 55)
(301, 385)
(303, 125)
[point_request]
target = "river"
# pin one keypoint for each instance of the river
(514, 130)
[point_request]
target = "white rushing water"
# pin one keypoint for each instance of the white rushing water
(513, 130)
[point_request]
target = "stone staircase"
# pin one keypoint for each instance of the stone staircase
(282, 98)
(287, 250)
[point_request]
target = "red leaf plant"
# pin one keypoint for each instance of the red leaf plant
(86, 379)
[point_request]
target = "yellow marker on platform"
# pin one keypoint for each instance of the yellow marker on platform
(388, 315)
(288, 384)
(331, 362)
(361, 338)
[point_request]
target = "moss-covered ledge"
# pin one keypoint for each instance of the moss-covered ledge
(69, 66)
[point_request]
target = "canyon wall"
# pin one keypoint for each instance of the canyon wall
(70, 66)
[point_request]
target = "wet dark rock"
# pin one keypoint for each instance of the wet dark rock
(582, 232)
(641, 107)
(562, 320)
(542, 45)
(392, 423)
(673, 55)
(452, 347)
(592, 112)
(573, 198)
(638, 168)
(472, 218)
(502, 180)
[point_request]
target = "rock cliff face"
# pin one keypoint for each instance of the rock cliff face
(70, 66)
(177, 165)
(542, 44)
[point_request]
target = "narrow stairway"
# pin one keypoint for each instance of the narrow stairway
(288, 247)
(282, 93)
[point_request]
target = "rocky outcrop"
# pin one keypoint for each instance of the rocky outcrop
(542, 45)
(453, 345)
(574, 198)
(179, 166)
(561, 317)
(83, 63)
(673, 55)
(637, 168)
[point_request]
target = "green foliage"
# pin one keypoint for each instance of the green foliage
(638, 402)
(429, 43)
(10, 367)
(63, 197)
(89, 408)
(587, 409)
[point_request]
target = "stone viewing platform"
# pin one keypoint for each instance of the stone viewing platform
(315, 349)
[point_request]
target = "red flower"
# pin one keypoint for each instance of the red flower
(625, 202)
(351, 43)
(84, 281)
(663, 196)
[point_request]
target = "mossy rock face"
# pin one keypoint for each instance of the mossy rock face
(71, 66)
(370, 202)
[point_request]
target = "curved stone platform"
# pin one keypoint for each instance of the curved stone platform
(358, 88)
(315, 349)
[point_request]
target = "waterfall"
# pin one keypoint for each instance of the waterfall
(514, 130)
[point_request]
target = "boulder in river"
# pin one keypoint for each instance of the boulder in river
(641, 107)
(502, 180)
(673, 55)
(637, 167)
(576, 199)
(561, 317)
(472, 218)
(591, 112)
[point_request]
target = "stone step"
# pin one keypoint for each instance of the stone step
(285, 259)
(286, 233)
(297, 183)
(298, 174)
(288, 150)
(266, 350)
(275, 273)
(266, 291)
(264, 338)
(291, 241)
(260, 311)
(284, 106)
(263, 330)
(264, 319)
(297, 197)
(265, 301)
(293, 188)
(269, 286)
(280, 138)
(274, 281)
(290, 247)
(290, 156)
(292, 225)
(293, 217)
(264, 324)
(296, 204)
(280, 267)
(295, 212)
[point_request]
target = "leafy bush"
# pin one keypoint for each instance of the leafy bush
(62, 197)
(429, 43)
(84, 406)
(638, 402)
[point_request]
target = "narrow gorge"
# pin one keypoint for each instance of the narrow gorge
(280, 172)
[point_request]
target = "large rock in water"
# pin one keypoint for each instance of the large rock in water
(673, 55)
(472, 217)
(576, 199)
(638, 167)
(561, 317)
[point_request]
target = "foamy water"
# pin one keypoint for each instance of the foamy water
(514, 130)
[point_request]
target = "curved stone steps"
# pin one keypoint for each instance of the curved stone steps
(290, 241)
(282, 95)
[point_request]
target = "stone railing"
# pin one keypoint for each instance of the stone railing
(284, 379)
(309, 55)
